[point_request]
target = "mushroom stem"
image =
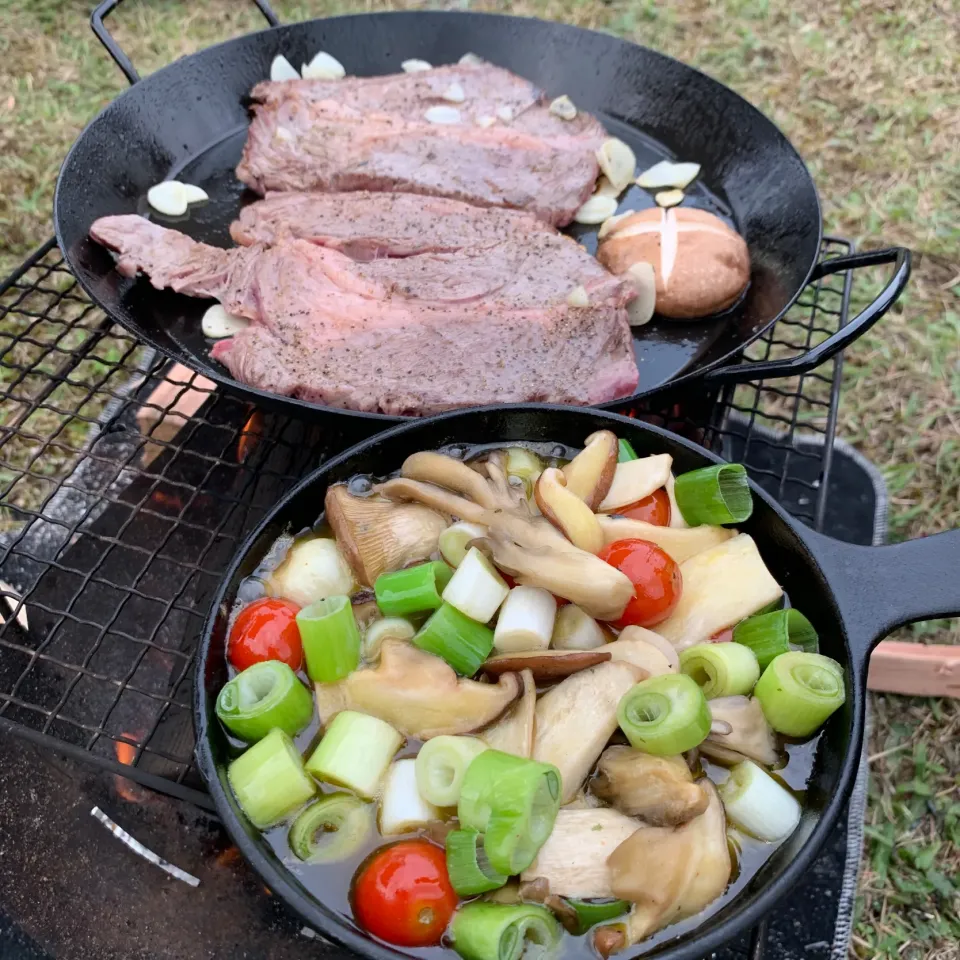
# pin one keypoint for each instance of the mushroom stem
(430, 467)
(433, 496)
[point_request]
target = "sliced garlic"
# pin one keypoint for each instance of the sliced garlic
(453, 94)
(283, 69)
(470, 60)
(217, 323)
(669, 198)
(282, 133)
(611, 222)
(505, 114)
(323, 67)
(486, 121)
(605, 188)
(415, 66)
(641, 275)
(168, 198)
(578, 297)
(596, 210)
(564, 108)
(444, 115)
(194, 194)
(668, 174)
(617, 161)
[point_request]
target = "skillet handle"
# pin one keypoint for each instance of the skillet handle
(113, 48)
(767, 369)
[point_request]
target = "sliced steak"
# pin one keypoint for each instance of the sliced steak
(403, 336)
(366, 225)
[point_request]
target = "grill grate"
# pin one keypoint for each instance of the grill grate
(114, 531)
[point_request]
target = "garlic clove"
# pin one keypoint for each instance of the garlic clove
(667, 174)
(194, 194)
(324, 67)
(486, 121)
(470, 60)
(415, 66)
(168, 198)
(611, 222)
(505, 114)
(596, 210)
(564, 108)
(217, 323)
(453, 94)
(669, 198)
(617, 161)
(605, 188)
(442, 115)
(578, 297)
(283, 69)
(640, 311)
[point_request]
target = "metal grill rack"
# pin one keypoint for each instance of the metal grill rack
(115, 528)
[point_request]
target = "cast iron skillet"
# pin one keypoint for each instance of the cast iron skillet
(189, 120)
(853, 596)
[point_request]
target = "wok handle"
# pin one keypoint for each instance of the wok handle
(767, 369)
(107, 7)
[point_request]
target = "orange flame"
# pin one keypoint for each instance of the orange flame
(126, 754)
(250, 436)
(226, 858)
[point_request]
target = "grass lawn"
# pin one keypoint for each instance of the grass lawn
(867, 89)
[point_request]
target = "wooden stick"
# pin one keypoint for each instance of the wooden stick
(915, 669)
(168, 409)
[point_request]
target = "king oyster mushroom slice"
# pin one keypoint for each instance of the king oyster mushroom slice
(513, 732)
(749, 733)
(380, 535)
(589, 474)
(455, 475)
(659, 790)
(635, 479)
(546, 665)
(418, 694)
(567, 511)
(681, 543)
(577, 717)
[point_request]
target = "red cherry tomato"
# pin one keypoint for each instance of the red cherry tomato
(403, 895)
(654, 509)
(266, 630)
(655, 576)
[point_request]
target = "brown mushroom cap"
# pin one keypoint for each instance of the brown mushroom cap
(546, 665)
(590, 473)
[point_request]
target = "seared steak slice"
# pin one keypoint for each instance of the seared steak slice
(403, 336)
(366, 225)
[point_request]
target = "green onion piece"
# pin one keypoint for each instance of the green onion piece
(755, 803)
(355, 752)
(264, 696)
(514, 803)
(331, 639)
(441, 765)
(467, 865)
(412, 590)
(721, 669)
(268, 780)
(798, 691)
(714, 495)
(625, 451)
(524, 464)
(770, 634)
(664, 715)
(454, 637)
(591, 912)
(499, 931)
(331, 829)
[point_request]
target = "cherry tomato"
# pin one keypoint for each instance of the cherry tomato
(655, 576)
(722, 636)
(403, 894)
(266, 630)
(654, 509)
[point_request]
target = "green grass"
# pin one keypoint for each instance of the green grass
(867, 89)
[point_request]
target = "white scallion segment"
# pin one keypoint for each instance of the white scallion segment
(670, 198)
(355, 752)
(389, 628)
(526, 620)
(313, 570)
(597, 209)
(454, 94)
(415, 66)
(217, 323)
(470, 60)
(617, 161)
(486, 121)
(640, 311)
(576, 630)
(442, 115)
(757, 804)
(402, 807)
(505, 114)
(454, 541)
(323, 67)
(578, 297)
(283, 69)
(476, 589)
(666, 174)
(168, 198)
(564, 108)
(441, 765)
(194, 194)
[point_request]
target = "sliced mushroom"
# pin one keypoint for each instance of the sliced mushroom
(546, 665)
(380, 535)
(418, 694)
(635, 479)
(634, 646)
(748, 733)
(455, 475)
(589, 474)
(567, 512)
(576, 718)
(573, 861)
(681, 543)
(431, 495)
(660, 790)
(513, 732)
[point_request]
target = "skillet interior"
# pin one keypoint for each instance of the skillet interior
(780, 542)
(189, 120)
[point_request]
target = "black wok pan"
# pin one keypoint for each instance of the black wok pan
(189, 121)
(853, 596)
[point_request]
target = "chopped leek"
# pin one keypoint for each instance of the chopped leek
(454, 637)
(625, 451)
(500, 931)
(355, 752)
(413, 590)
(721, 669)
(467, 865)
(402, 807)
(757, 804)
(264, 696)
(476, 589)
(331, 639)
(455, 541)
(526, 620)
(524, 464)
(331, 829)
(591, 912)
(798, 691)
(770, 634)
(664, 715)
(268, 780)
(441, 765)
(714, 495)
